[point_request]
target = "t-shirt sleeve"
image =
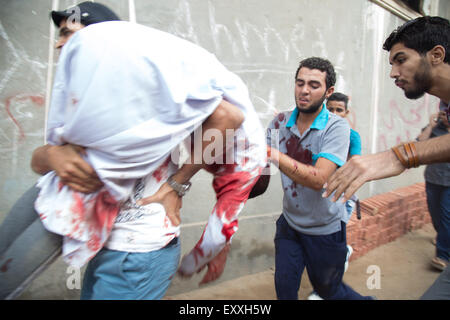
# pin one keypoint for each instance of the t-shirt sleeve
(335, 143)
(355, 143)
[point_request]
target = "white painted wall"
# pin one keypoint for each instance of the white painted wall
(261, 41)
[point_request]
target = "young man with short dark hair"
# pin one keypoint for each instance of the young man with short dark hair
(311, 143)
(419, 52)
(337, 103)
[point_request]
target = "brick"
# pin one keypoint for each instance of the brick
(387, 216)
(367, 221)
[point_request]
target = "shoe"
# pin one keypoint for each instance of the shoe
(349, 253)
(439, 263)
(314, 296)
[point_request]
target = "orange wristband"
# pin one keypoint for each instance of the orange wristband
(411, 160)
(415, 156)
(400, 157)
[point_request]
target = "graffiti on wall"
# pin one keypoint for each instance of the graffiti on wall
(18, 124)
(400, 124)
(19, 101)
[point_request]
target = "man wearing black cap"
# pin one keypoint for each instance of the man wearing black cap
(73, 171)
(73, 19)
(21, 222)
(67, 161)
(85, 13)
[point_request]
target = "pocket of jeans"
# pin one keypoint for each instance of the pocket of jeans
(173, 267)
(134, 268)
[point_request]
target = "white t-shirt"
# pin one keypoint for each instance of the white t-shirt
(144, 228)
(129, 94)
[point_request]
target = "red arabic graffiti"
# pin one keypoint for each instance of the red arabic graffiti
(38, 100)
(412, 118)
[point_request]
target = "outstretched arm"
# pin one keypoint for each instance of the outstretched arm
(360, 169)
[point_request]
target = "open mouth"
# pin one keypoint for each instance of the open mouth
(400, 84)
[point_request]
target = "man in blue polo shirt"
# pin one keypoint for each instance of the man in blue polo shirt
(308, 144)
(337, 103)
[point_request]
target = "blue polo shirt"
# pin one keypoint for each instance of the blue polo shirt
(328, 137)
(355, 143)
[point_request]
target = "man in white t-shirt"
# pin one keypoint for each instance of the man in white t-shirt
(129, 147)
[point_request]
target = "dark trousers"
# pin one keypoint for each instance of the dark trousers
(440, 289)
(438, 199)
(322, 255)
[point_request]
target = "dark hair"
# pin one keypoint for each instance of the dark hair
(321, 64)
(337, 96)
(422, 34)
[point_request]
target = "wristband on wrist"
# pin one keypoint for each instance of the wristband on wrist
(411, 160)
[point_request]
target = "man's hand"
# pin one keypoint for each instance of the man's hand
(434, 119)
(170, 201)
(360, 169)
(216, 266)
(69, 165)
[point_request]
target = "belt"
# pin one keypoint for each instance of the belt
(173, 242)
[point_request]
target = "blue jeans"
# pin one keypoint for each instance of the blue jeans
(118, 275)
(438, 199)
(322, 255)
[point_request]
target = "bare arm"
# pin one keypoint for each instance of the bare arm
(434, 150)
(226, 116)
(67, 162)
(350, 177)
(309, 176)
(426, 133)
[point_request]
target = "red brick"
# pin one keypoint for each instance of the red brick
(386, 217)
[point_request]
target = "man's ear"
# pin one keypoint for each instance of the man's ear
(437, 54)
(329, 92)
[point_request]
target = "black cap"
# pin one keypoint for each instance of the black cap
(90, 12)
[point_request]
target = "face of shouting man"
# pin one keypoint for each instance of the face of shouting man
(411, 71)
(310, 89)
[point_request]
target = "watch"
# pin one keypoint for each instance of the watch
(180, 188)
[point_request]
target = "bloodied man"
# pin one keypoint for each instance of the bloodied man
(309, 144)
(121, 114)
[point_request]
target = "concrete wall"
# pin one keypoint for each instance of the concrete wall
(261, 41)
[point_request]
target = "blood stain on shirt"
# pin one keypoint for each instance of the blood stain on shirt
(161, 171)
(296, 151)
